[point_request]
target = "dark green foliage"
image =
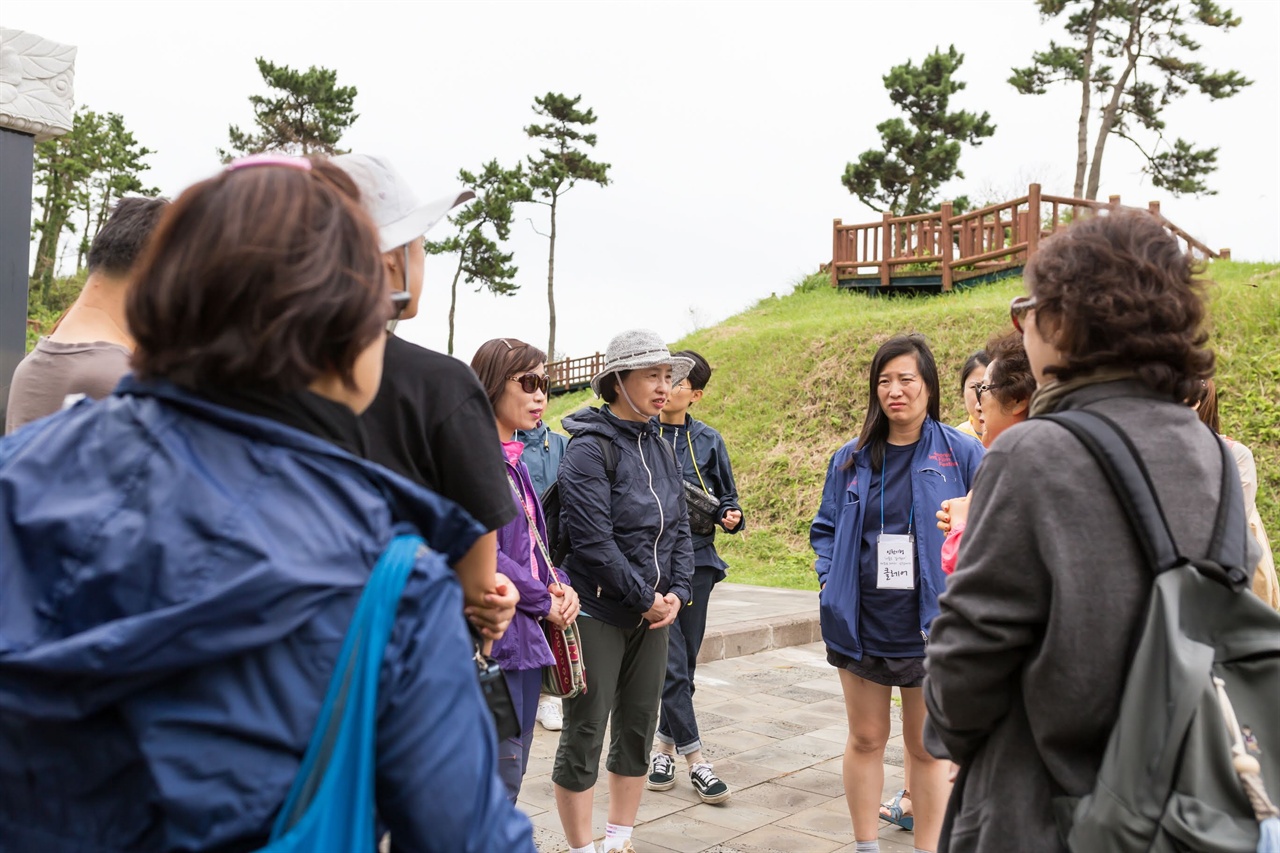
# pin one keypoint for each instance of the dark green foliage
(558, 167)
(80, 175)
(922, 153)
(481, 261)
(308, 116)
(1136, 56)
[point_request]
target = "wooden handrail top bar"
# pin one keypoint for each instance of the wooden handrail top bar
(918, 217)
(993, 254)
(1073, 202)
(990, 209)
(913, 259)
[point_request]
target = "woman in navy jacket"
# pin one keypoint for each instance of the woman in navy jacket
(631, 563)
(180, 562)
(879, 566)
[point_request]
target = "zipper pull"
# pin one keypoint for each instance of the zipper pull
(598, 591)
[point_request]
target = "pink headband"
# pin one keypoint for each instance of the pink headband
(270, 160)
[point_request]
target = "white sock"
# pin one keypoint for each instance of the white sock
(866, 847)
(614, 836)
(918, 850)
(589, 848)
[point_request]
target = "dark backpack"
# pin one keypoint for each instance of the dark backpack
(557, 536)
(1197, 739)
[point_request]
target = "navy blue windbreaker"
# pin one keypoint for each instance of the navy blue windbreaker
(176, 579)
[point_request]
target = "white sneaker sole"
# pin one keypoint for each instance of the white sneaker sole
(660, 786)
(718, 798)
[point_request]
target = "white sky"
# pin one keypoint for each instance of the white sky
(728, 125)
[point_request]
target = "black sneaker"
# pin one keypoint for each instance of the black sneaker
(662, 773)
(709, 786)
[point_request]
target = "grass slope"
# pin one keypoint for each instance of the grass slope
(790, 387)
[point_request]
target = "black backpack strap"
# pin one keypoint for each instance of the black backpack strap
(1228, 551)
(610, 454)
(1129, 479)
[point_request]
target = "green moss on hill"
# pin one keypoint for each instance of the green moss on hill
(790, 387)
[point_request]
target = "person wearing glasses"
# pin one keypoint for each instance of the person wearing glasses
(631, 560)
(431, 421)
(971, 376)
(514, 376)
(1028, 655)
(878, 565)
(1003, 400)
(180, 561)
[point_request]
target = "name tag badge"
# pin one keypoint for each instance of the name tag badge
(895, 561)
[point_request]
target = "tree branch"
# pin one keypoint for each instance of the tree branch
(535, 228)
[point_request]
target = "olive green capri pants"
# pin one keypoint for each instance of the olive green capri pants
(625, 671)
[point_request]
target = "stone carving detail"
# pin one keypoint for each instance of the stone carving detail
(35, 84)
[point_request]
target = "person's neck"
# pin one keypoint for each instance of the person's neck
(899, 435)
(506, 432)
(674, 418)
(97, 314)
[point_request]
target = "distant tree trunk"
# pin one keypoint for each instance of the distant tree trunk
(453, 298)
(551, 282)
(1086, 87)
(1131, 51)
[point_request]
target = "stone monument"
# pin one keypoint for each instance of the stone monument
(35, 105)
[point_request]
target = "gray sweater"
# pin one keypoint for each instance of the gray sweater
(1028, 656)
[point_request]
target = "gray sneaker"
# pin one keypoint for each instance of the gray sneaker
(709, 786)
(662, 773)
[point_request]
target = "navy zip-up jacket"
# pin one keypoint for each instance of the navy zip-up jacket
(176, 579)
(629, 539)
(704, 461)
(942, 467)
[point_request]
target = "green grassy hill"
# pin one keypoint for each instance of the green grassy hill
(790, 387)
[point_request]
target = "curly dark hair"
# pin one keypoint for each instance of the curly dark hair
(1118, 291)
(1012, 381)
(262, 278)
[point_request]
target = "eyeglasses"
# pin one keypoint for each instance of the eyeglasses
(1018, 308)
(983, 389)
(530, 382)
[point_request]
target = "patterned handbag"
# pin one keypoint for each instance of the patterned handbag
(567, 677)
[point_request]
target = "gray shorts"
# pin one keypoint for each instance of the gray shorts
(625, 670)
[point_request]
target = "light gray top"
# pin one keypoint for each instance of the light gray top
(54, 370)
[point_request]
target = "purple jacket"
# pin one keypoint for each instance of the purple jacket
(524, 646)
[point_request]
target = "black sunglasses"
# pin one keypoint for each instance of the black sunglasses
(983, 389)
(530, 382)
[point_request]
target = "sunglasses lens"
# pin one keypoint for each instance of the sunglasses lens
(531, 382)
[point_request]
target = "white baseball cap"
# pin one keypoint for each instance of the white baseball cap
(390, 200)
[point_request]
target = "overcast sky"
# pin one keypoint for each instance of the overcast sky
(727, 124)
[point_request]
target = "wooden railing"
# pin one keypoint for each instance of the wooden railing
(955, 246)
(570, 374)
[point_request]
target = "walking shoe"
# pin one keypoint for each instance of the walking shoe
(708, 785)
(550, 715)
(662, 773)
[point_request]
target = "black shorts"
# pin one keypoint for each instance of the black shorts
(891, 672)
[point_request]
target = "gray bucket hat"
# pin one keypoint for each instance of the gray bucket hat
(391, 202)
(637, 348)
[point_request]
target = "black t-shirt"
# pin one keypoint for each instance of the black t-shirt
(432, 422)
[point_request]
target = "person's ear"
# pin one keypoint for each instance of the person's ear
(1021, 408)
(391, 262)
(695, 395)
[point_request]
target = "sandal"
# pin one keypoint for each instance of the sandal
(895, 815)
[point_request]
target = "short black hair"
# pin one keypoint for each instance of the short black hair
(121, 238)
(700, 374)
(972, 363)
(609, 389)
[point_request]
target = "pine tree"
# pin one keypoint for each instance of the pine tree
(1136, 56)
(556, 170)
(481, 260)
(307, 116)
(920, 154)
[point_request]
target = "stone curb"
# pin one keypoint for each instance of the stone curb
(748, 638)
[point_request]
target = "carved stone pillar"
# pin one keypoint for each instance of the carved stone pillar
(35, 105)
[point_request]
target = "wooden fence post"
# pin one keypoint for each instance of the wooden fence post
(1153, 208)
(1033, 220)
(1224, 254)
(886, 251)
(944, 246)
(1113, 201)
(835, 251)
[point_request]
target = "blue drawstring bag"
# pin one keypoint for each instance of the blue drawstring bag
(331, 805)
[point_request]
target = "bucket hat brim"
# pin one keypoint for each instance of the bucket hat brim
(680, 366)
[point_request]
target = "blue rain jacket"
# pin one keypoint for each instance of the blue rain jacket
(176, 579)
(942, 467)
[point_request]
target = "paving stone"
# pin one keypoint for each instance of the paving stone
(814, 781)
(800, 694)
(822, 822)
(778, 729)
(782, 798)
(776, 839)
(736, 814)
(680, 832)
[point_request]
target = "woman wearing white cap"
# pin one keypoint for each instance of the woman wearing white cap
(631, 560)
(431, 421)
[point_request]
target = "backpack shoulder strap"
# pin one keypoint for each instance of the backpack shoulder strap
(1230, 552)
(1129, 479)
(610, 454)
